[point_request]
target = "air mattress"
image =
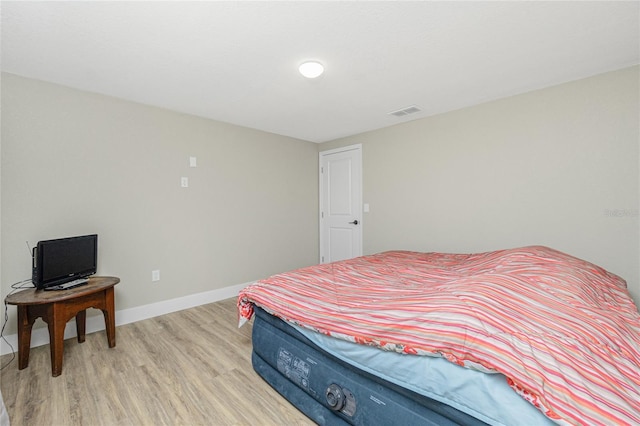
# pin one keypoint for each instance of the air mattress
(332, 392)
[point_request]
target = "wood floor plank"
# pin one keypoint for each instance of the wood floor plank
(191, 367)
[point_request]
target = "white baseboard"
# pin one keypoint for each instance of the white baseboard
(40, 336)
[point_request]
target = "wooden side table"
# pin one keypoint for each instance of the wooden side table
(56, 308)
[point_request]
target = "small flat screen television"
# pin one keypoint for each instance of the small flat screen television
(59, 261)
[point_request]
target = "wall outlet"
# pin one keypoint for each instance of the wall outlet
(184, 182)
(155, 275)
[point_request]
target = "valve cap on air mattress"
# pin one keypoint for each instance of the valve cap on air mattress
(335, 397)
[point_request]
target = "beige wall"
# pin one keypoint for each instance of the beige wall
(75, 163)
(557, 167)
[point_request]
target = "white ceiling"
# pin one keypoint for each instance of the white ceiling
(237, 61)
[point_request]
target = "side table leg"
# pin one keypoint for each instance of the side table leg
(56, 338)
(24, 336)
(109, 317)
(81, 325)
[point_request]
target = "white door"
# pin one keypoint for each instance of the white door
(341, 204)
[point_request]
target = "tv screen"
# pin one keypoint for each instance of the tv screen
(59, 261)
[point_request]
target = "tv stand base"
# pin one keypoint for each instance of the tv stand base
(56, 309)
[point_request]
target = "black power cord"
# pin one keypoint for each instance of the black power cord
(16, 286)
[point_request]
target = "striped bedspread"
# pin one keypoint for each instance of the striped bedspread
(564, 332)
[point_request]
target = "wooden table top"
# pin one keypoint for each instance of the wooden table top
(32, 296)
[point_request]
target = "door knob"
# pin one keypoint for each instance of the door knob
(355, 222)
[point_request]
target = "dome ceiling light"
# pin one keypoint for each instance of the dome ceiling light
(311, 69)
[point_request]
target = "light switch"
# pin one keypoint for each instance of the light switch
(193, 162)
(365, 207)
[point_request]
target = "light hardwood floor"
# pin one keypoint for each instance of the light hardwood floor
(191, 367)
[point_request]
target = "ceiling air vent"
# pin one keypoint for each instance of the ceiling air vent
(405, 111)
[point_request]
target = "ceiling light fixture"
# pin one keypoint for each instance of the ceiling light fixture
(311, 69)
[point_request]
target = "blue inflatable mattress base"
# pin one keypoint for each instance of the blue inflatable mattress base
(332, 392)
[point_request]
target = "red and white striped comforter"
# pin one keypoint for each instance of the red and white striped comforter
(564, 332)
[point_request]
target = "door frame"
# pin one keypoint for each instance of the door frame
(321, 154)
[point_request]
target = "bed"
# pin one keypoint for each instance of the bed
(520, 336)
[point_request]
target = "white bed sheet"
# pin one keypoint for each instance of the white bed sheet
(4, 416)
